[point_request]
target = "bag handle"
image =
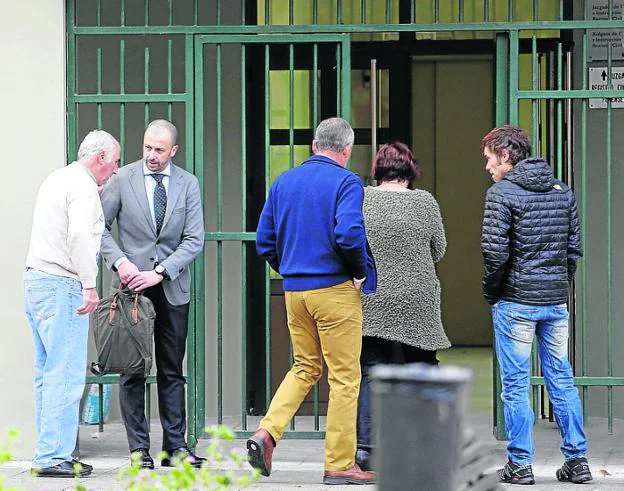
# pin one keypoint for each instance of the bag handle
(112, 312)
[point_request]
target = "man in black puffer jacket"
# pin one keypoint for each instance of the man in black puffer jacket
(531, 244)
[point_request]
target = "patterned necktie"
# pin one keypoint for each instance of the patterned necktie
(160, 201)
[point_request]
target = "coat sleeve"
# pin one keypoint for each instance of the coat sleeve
(575, 250)
(266, 238)
(111, 204)
(192, 241)
(438, 239)
(495, 243)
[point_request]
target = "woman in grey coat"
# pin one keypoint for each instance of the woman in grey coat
(402, 321)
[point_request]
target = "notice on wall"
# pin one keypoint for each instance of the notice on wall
(599, 80)
(599, 40)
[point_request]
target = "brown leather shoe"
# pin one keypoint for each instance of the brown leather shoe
(354, 475)
(260, 451)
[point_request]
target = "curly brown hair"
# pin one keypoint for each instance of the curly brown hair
(511, 138)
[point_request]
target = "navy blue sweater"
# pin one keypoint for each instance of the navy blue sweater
(311, 230)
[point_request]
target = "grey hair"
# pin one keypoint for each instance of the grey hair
(164, 125)
(95, 142)
(333, 134)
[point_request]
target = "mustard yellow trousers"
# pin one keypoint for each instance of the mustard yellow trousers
(324, 324)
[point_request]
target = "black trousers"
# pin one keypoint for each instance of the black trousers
(170, 330)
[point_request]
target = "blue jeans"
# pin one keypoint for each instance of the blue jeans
(514, 328)
(60, 338)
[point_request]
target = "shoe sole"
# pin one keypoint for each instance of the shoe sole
(255, 452)
(337, 481)
(61, 476)
(565, 477)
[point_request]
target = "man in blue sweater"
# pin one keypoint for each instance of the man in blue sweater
(311, 231)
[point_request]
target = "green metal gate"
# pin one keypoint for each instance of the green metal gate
(286, 65)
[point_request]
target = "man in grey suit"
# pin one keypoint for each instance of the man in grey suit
(159, 216)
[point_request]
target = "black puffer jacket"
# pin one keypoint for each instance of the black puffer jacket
(531, 237)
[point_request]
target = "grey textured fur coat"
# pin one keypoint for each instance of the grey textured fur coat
(407, 238)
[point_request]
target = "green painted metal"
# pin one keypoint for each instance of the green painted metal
(609, 149)
(584, 355)
(243, 245)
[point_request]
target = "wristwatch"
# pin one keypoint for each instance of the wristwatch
(160, 269)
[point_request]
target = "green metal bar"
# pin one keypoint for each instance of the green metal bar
(219, 10)
(98, 12)
(609, 240)
(169, 76)
(346, 76)
(534, 86)
(315, 122)
(568, 94)
(584, 356)
(226, 29)
(170, 12)
(510, 10)
(389, 12)
(122, 10)
(291, 12)
(195, 12)
(148, 403)
(100, 279)
(502, 117)
(230, 236)
(362, 11)
(122, 105)
(113, 378)
(339, 12)
(243, 12)
(436, 11)
(486, 11)
(219, 244)
(461, 10)
(101, 408)
(315, 12)
(71, 82)
(128, 98)
(559, 113)
(244, 227)
(535, 10)
(560, 9)
(195, 360)
(413, 11)
(291, 104)
(338, 79)
(146, 83)
(267, 184)
(513, 77)
(267, 12)
(146, 12)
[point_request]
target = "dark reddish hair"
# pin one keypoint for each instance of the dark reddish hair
(511, 138)
(395, 161)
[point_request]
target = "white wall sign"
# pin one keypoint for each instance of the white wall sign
(600, 39)
(599, 80)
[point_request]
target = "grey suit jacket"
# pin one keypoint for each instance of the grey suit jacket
(181, 237)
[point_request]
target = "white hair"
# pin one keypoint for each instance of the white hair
(164, 125)
(95, 142)
(333, 134)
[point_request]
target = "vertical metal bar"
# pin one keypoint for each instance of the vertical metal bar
(373, 107)
(568, 118)
(267, 184)
(243, 12)
(218, 12)
(535, 10)
(436, 11)
(362, 11)
(609, 238)
(502, 117)
(314, 11)
(99, 280)
(195, 360)
(101, 408)
(559, 113)
(584, 354)
(486, 10)
(291, 153)
(170, 12)
(146, 13)
(339, 12)
(195, 12)
(338, 78)
(122, 11)
(244, 229)
(170, 77)
(510, 12)
(560, 9)
(98, 13)
(291, 12)
(513, 77)
(122, 105)
(267, 12)
(146, 59)
(219, 242)
(461, 10)
(535, 102)
(388, 12)
(71, 82)
(413, 11)
(346, 76)
(315, 121)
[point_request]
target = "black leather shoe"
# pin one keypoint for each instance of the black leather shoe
(64, 469)
(183, 454)
(143, 458)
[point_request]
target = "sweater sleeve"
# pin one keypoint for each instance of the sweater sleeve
(349, 226)
(495, 243)
(574, 238)
(438, 239)
(266, 239)
(82, 208)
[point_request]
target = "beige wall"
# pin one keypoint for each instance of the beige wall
(32, 96)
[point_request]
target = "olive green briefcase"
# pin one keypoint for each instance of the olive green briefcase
(123, 332)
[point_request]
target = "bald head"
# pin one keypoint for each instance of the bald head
(162, 127)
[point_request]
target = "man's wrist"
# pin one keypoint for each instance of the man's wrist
(119, 262)
(160, 270)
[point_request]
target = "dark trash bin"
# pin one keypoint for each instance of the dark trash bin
(419, 413)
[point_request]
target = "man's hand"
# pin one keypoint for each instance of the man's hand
(127, 271)
(358, 283)
(90, 301)
(144, 279)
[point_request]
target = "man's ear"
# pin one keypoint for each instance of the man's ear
(174, 150)
(505, 159)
